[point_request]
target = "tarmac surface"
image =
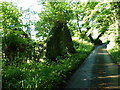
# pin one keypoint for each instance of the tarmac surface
(97, 71)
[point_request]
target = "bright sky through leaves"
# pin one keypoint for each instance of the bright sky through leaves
(28, 4)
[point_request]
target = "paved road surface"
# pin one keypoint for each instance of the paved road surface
(98, 71)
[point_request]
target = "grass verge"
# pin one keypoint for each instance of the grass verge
(115, 53)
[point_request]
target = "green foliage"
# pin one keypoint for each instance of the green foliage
(115, 52)
(60, 34)
(53, 12)
(11, 25)
(12, 76)
(10, 17)
(89, 15)
(16, 44)
(45, 75)
(117, 40)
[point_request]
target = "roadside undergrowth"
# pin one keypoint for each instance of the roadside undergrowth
(115, 53)
(45, 75)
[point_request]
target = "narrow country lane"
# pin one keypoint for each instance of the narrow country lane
(98, 71)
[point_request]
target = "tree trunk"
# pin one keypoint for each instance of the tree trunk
(96, 41)
(68, 39)
(91, 38)
(60, 42)
(53, 43)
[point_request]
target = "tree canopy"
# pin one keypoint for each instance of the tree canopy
(67, 32)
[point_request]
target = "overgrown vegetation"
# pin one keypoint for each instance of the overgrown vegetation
(65, 31)
(115, 50)
(45, 75)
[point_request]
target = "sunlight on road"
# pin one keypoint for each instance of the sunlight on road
(104, 84)
(104, 49)
(114, 76)
(112, 87)
(103, 53)
(102, 73)
(111, 64)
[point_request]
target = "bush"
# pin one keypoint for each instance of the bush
(115, 52)
(12, 76)
(45, 75)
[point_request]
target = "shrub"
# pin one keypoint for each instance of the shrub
(45, 75)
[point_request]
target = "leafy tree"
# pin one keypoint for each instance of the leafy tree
(98, 16)
(15, 40)
(54, 20)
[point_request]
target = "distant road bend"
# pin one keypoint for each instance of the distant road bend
(97, 71)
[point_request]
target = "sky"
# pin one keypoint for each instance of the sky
(33, 6)
(25, 4)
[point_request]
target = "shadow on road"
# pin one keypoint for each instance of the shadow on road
(97, 71)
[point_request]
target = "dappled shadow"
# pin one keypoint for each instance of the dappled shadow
(113, 76)
(98, 71)
(105, 71)
(103, 53)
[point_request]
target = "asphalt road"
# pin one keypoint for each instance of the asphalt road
(97, 71)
